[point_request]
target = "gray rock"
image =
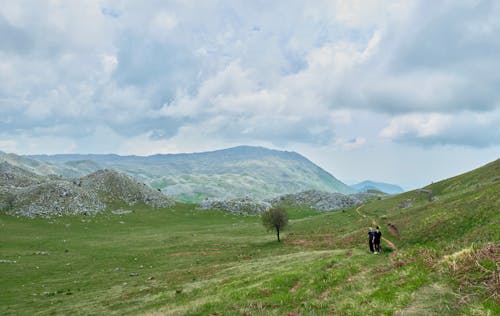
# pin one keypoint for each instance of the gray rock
(25, 194)
(120, 211)
(318, 200)
(243, 206)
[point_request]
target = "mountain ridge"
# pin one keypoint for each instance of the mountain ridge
(235, 172)
(388, 188)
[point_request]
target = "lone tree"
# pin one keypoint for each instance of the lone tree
(275, 218)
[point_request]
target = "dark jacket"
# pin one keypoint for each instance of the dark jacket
(371, 236)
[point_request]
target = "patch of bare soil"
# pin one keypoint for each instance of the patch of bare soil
(324, 294)
(389, 244)
(393, 230)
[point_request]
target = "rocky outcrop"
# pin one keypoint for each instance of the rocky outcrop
(55, 198)
(318, 200)
(111, 185)
(23, 193)
(243, 206)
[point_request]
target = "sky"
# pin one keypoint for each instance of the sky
(406, 92)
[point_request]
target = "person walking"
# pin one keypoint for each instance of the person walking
(377, 235)
(371, 237)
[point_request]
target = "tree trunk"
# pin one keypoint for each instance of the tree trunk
(278, 233)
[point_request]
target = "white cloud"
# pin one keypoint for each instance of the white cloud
(467, 128)
(162, 23)
(350, 144)
(240, 74)
(419, 125)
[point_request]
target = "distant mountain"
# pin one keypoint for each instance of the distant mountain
(256, 172)
(378, 186)
(70, 169)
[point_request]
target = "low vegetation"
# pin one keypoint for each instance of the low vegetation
(439, 257)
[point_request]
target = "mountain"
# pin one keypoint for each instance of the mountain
(238, 172)
(14, 176)
(368, 185)
(70, 169)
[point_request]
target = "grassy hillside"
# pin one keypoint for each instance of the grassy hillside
(183, 261)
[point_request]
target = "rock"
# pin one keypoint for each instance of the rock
(43, 253)
(133, 274)
(406, 203)
(243, 206)
(151, 278)
(25, 194)
(318, 200)
(120, 211)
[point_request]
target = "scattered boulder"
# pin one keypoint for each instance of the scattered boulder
(43, 253)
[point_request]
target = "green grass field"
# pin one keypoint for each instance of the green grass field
(183, 261)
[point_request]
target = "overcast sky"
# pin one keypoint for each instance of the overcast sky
(406, 92)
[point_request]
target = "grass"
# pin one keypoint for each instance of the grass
(183, 261)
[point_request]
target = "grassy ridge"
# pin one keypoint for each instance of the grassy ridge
(209, 262)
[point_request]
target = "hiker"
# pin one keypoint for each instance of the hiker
(371, 236)
(377, 235)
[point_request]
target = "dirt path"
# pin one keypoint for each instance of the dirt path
(389, 243)
(357, 211)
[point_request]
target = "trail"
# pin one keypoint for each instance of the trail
(357, 211)
(389, 243)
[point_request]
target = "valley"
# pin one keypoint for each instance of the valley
(181, 260)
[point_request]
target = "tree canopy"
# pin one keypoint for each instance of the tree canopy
(275, 218)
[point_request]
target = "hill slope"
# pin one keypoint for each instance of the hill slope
(223, 174)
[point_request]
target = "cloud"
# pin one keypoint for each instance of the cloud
(466, 129)
(297, 72)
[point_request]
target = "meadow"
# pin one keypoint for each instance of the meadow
(183, 261)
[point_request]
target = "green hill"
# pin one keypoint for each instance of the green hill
(440, 256)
